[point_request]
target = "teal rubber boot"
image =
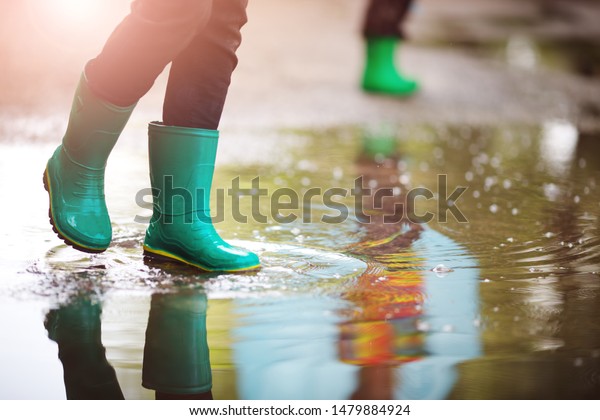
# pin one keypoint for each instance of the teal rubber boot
(380, 74)
(176, 355)
(182, 162)
(74, 175)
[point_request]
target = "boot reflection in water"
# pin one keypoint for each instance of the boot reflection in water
(76, 328)
(176, 356)
(199, 38)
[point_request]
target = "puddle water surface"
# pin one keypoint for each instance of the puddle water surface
(502, 303)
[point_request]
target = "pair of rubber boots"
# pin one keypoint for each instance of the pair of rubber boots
(181, 170)
(381, 74)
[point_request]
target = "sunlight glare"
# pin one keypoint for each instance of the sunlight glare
(69, 10)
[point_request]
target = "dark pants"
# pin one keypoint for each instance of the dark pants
(199, 38)
(384, 18)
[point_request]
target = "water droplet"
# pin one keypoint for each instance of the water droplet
(551, 191)
(448, 328)
(404, 179)
(423, 326)
(578, 362)
(476, 194)
(494, 208)
(373, 183)
(514, 211)
(469, 176)
(549, 234)
(486, 280)
(338, 173)
(511, 240)
(305, 181)
(306, 165)
(496, 309)
(507, 184)
(576, 199)
(441, 268)
(295, 231)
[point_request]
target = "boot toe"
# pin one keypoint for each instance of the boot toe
(84, 232)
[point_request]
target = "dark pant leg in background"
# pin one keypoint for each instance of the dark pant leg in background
(384, 18)
(201, 74)
(139, 49)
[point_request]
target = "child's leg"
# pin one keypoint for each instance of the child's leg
(384, 18)
(149, 38)
(201, 74)
(183, 150)
(153, 34)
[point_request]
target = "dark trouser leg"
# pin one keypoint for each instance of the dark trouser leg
(384, 18)
(149, 38)
(200, 75)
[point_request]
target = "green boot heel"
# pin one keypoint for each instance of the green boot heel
(74, 175)
(182, 162)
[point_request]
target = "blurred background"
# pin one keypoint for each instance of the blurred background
(300, 61)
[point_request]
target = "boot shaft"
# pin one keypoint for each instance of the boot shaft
(94, 127)
(182, 163)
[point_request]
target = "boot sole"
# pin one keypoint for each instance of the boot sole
(383, 92)
(159, 255)
(56, 230)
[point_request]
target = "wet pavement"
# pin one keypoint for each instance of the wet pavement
(501, 304)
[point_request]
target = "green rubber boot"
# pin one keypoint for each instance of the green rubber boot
(381, 75)
(176, 355)
(74, 175)
(182, 162)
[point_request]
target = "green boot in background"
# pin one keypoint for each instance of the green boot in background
(380, 74)
(74, 175)
(182, 162)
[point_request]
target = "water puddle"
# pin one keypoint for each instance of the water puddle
(496, 296)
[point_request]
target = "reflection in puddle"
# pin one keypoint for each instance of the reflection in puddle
(504, 306)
